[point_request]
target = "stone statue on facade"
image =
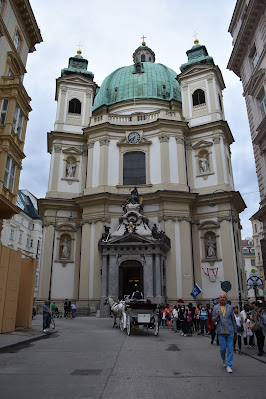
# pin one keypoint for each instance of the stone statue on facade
(106, 233)
(65, 247)
(70, 169)
(134, 197)
(158, 235)
(211, 247)
(204, 165)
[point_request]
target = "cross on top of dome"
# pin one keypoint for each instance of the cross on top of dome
(143, 53)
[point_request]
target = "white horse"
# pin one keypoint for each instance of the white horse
(117, 309)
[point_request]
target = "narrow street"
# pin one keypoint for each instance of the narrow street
(87, 358)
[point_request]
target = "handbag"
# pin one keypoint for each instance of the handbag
(240, 328)
(254, 325)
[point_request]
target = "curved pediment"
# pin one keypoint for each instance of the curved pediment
(209, 225)
(66, 227)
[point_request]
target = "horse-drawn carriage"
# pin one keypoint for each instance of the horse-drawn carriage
(140, 313)
(134, 314)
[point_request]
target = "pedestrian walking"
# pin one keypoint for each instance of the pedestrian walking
(223, 315)
(203, 318)
(73, 310)
(183, 320)
(258, 318)
(65, 308)
(190, 320)
(211, 326)
(240, 330)
(175, 318)
(245, 320)
(196, 319)
(46, 315)
(168, 312)
(53, 307)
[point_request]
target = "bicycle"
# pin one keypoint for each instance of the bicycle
(51, 323)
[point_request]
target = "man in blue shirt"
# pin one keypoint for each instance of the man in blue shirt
(46, 315)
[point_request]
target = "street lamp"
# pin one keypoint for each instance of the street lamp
(70, 218)
(212, 204)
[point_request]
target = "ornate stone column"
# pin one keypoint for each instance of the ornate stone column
(104, 309)
(113, 277)
(158, 283)
(165, 168)
(148, 277)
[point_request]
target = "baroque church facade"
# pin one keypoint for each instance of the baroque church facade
(135, 166)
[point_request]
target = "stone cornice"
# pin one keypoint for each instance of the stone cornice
(254, 12)
(214, 126)
(24, 14)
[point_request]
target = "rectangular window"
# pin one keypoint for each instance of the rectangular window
(253, 262)
(262, 103)
(3, 111)
(18, 121)
(22, 221)
(20, 238)
(254, 57)
(134, 168)
(17, 41)
(10, 173)
(28, 243)
(31, 243)
(12, 232)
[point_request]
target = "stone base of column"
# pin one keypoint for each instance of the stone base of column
(104, 309)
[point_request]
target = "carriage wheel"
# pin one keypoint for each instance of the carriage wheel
(128, 325)
(156, 326)
(121, 324)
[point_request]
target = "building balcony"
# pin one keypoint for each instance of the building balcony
(135, 119)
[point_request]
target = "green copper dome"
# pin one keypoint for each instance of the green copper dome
(143, 80)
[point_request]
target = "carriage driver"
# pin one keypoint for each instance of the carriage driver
(137, 294)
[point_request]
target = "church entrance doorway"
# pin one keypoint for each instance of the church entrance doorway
(130, 277)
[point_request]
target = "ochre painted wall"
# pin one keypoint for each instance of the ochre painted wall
(26, 292)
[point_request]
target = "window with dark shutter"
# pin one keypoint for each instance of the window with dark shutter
(134, 168)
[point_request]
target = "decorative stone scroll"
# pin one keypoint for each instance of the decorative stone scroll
(164, 137)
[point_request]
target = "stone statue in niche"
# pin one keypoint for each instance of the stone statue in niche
(204, 165)
(65, 248)
(211, 248)
(70, 169)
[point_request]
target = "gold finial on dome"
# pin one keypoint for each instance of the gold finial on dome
(143, 40)
(79, 50)
(196, 40)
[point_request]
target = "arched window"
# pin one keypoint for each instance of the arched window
(74, 106)
(142, 58)
(198, 97)
(134, 168)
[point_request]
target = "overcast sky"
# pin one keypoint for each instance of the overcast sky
(109, 32)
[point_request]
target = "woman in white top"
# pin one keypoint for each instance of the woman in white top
(244, 316)
(240, 329)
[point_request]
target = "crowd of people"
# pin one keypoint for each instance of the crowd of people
(189, 320)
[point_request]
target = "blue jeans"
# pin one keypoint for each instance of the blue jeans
(46, 318)
(227, 342)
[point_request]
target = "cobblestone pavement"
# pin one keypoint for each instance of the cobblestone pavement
(87, 358)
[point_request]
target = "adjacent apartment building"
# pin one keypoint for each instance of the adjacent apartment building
(19, 33)
(247, 60)
(23, 231)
